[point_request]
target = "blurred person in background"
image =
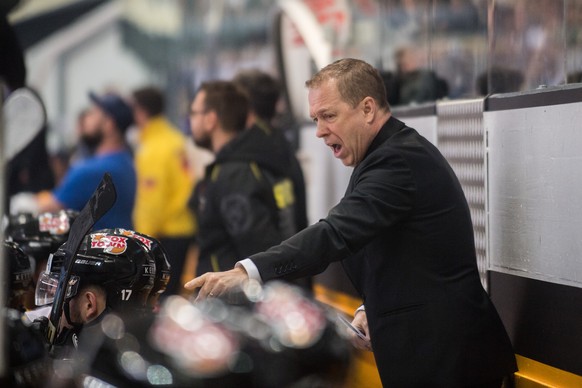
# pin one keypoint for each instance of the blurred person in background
(264, 91)
(413, 84)
(164, 182)
(574, 77)
(245, 203)
(84, 127)
(112, 116)
(62, 159)
(499, 79)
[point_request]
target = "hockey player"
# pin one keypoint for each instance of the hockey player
(163, 268)
(40, 235)
(110, 273)
(19, 278)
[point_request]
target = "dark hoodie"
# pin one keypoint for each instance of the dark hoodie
(246, 202)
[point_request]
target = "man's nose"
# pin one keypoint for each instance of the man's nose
(321, 130)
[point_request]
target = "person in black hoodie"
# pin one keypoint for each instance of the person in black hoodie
(245, 203)
(264, 91)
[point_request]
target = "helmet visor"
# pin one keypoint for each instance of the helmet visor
(46, 288)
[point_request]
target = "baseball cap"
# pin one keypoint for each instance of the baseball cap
(114, 106)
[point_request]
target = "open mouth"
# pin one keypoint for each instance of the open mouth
(336, 148)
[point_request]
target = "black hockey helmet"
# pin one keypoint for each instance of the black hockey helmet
(118, 264)
(160, 256)
(19, 275)
(41, 235)
(163, 268)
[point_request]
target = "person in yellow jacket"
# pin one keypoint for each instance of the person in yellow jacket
(165, 181)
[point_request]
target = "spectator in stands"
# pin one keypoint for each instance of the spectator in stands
(499, 80)
(112, 155)
(164, 182)
(574, 77)
(412, 83)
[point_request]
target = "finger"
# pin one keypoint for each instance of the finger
(362, 344)
(204, 293)
(201, 296)
(207, 289)
(210, 294)
(358, 343)
(369, 346)
(196, 282)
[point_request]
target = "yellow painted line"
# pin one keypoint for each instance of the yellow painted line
(535, 374)
(338, 300)
(363, 371)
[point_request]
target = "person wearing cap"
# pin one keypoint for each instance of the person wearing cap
(112, 117)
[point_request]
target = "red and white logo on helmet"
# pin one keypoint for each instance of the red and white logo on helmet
(55, 224)
(115, 245)
(130, 233)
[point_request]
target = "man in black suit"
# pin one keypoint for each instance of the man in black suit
(403, 233)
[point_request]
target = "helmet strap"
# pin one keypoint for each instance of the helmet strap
(76, 327)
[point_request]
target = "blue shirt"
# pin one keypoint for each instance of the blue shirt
(83, 178)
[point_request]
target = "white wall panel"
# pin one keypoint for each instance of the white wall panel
(535, 192)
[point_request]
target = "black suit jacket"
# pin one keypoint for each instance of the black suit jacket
(404, 235)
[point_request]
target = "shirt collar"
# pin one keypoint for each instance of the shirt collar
(391, 126)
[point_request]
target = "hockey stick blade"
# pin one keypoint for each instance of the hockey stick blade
(24, 117)
(100, 202)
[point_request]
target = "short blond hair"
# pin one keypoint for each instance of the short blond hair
(355, 79)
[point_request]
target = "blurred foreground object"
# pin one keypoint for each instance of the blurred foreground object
(28, 362)
(279, 338)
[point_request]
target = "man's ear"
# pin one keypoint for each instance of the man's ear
(91, 305)
(210, 120)
(369, 108)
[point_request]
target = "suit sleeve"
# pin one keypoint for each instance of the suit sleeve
(383, 193)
